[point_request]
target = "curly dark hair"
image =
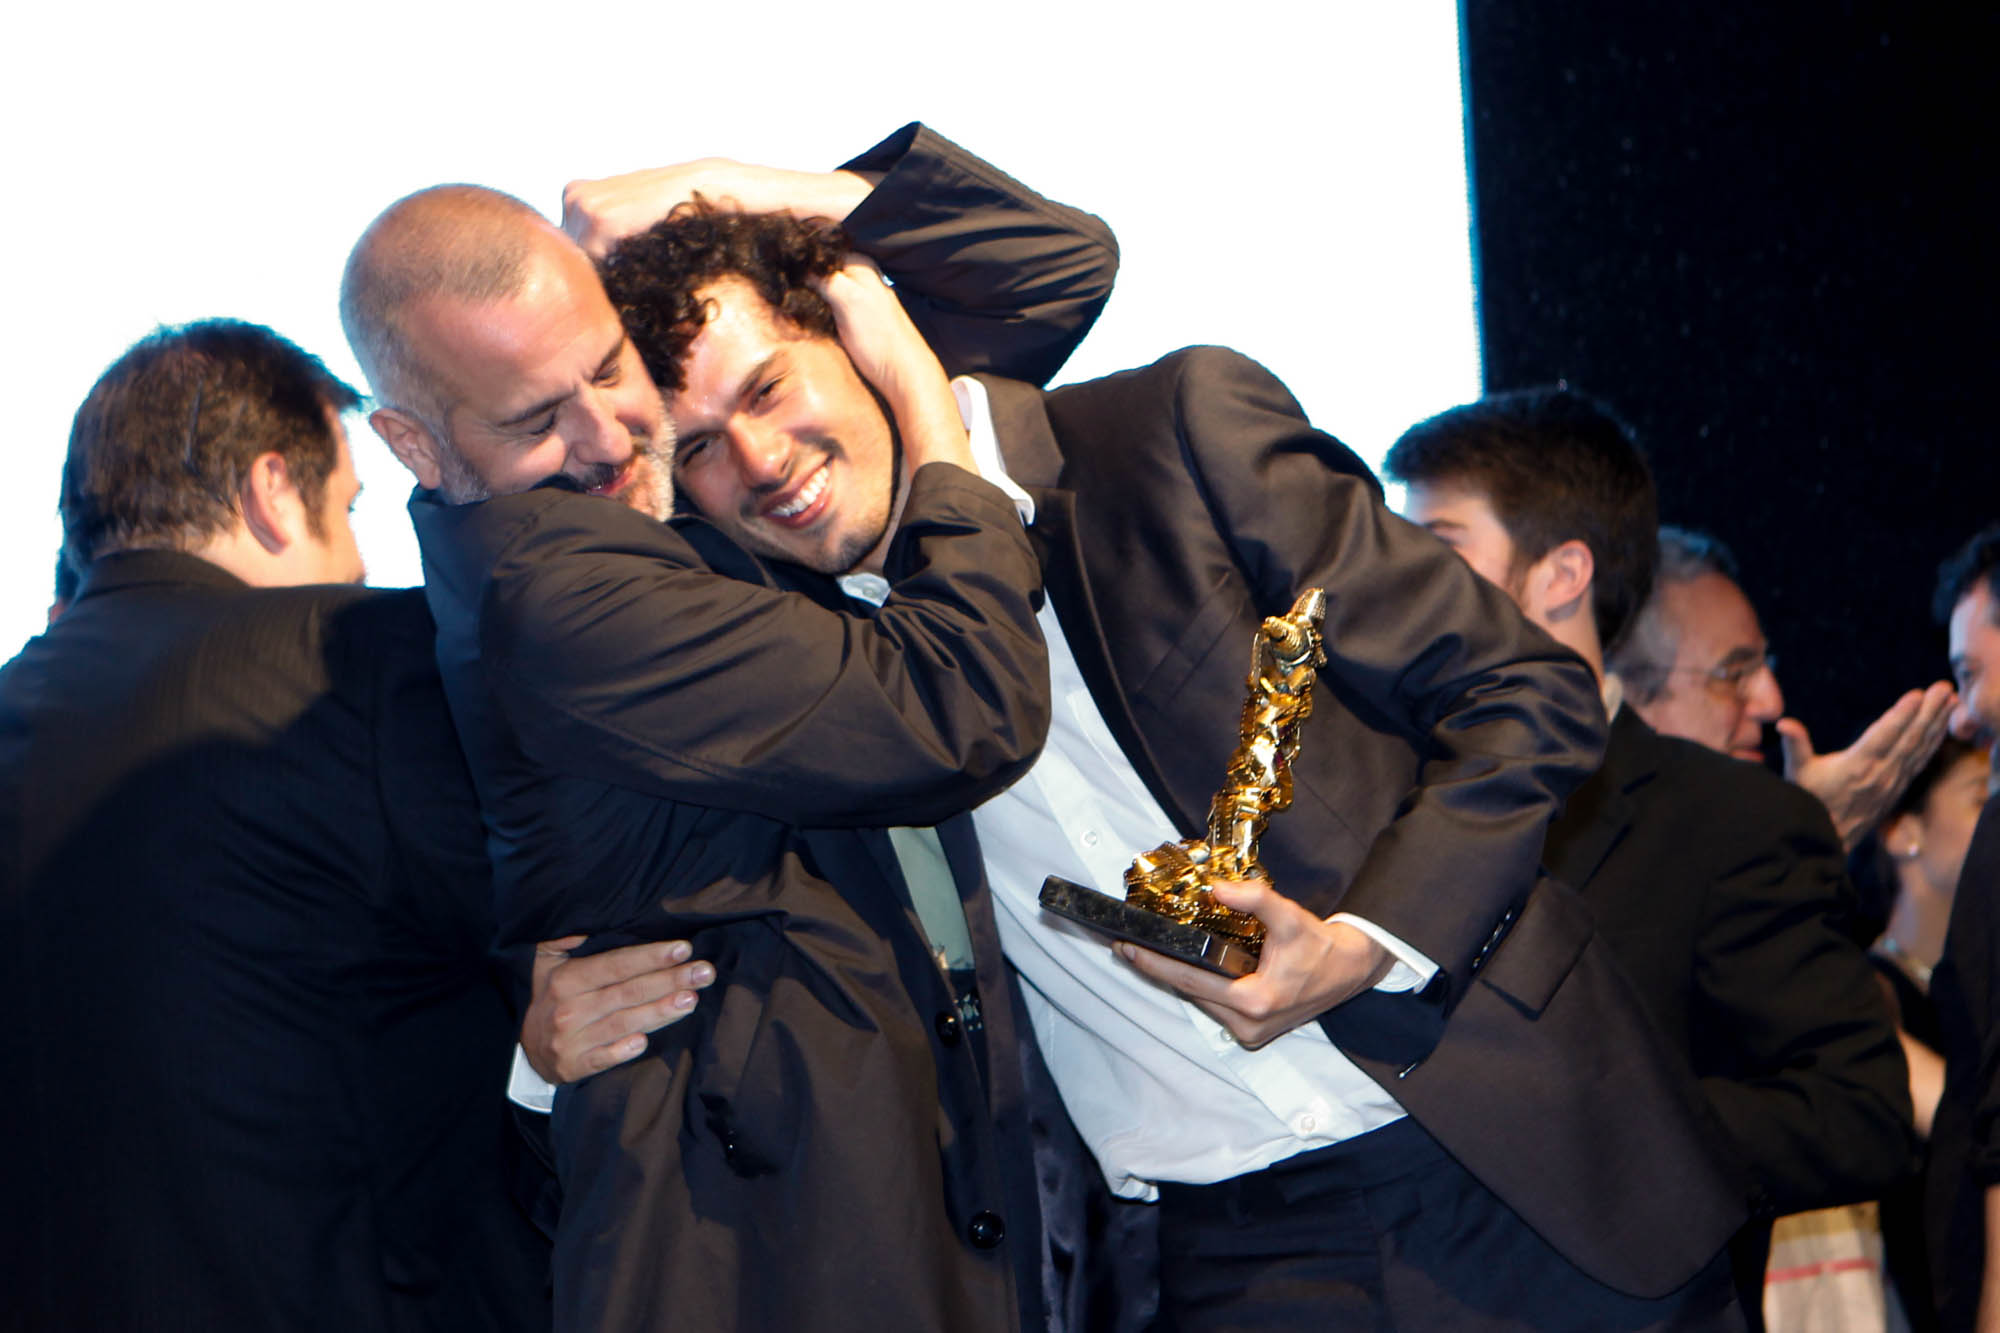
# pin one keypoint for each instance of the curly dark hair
(1978, 559)
(655, 278)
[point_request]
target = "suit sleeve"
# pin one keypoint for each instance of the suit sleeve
(618, 655)
(1973, 944)
(1802, 1063)
(996, 277)
(1507, 720)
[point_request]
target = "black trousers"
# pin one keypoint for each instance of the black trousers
(1388, 1233)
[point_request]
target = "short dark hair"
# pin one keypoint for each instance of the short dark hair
(655, 277)
(160, 448)
(1647, 654)
(1978, 559)
(1556, 465)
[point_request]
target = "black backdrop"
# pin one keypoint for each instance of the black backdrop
(1760, 232)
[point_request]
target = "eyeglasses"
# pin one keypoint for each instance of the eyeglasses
(1735, 671)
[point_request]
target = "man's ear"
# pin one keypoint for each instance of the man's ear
(411, 441)
(272, 508)
(1562, 579)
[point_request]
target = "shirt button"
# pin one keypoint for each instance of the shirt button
(985, 1231)
(1090, 838)
(1306, 1124)
(948, 1028)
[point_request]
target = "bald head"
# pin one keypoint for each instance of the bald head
(496, 359)
(461, 243)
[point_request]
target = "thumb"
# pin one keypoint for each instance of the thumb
(1253, 897)
(548, 954)
(1797, 744)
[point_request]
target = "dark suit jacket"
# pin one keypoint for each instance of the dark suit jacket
(254, 1046)
(1717, 883)
(767, 1167)
(1179, 504)
(667, 746)
(1965, 1138)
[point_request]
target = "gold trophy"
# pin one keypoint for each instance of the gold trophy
(1168, 905)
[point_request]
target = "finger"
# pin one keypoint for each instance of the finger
(637, 1020)
(1796, 744)
(1281, 916)
(1886, 732)
(650, 987)
(1928, 731)
(1194, 982)
(1938, 702)
(614, 966)
(549, 954)
(1247, 1034)
(619, 1050)
(579, 218)
(858, 263)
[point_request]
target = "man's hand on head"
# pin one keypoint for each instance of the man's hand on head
(890, 354)
(1859, 784)
(587, 1014)
(600, 213)
(1307, 967)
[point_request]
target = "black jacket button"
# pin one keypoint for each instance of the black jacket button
(948, 1029)
(985, 1230)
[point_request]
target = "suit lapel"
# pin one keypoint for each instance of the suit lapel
(1028, 448)
(1599, 813)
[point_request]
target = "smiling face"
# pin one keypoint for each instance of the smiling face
(538, 383)
(781, 443)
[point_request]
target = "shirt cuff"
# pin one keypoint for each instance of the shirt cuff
(1411, 970)
(527, 1089)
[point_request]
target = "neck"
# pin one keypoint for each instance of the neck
(1575, 628)
(238, 552)
(1918, 920)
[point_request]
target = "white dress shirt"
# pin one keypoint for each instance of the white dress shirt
(1158, 1089)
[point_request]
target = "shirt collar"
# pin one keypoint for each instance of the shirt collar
(976, 412)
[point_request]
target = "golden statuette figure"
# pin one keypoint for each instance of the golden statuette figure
(1169, 904)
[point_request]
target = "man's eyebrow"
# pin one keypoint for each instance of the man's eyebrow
(551, 403)
(1748, 652)
(546, 405)
(748, 384)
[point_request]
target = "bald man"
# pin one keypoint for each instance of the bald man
(664, 751)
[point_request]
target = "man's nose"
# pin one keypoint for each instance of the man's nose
(602, 437)
(763, 455)
(1764, 701)
(1963, 723)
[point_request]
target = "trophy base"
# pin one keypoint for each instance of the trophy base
(1149, 930)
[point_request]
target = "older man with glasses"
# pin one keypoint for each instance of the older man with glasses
(1696, 665)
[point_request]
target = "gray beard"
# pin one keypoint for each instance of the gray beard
(457, 482)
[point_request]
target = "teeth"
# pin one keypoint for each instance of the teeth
(804, 499)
